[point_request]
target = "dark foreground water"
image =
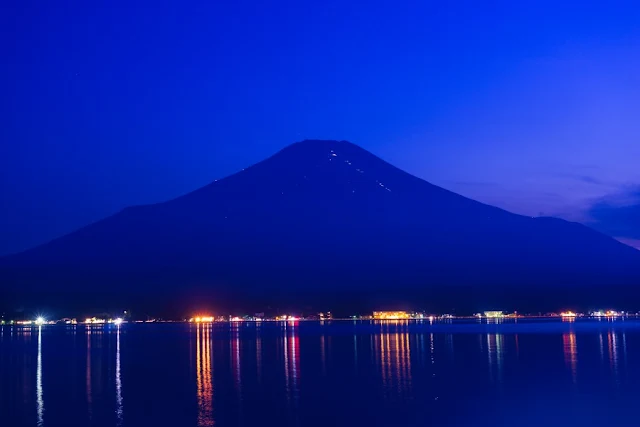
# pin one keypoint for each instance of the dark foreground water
(339, 373)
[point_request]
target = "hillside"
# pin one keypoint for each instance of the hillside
(317, 219)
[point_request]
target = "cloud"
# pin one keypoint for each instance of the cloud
(590, 178)
(618, 215)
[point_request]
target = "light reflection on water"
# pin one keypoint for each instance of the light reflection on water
(613, 351)
(571, 353)
(495, 354)
(88, 371)
(291, 360)
(204, 376)
(235, 357)
(323, 353)
(39, 394)
(259, 353)
(394, 355)
(119, 410)
(398, 362)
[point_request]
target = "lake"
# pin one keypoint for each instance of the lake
(336, 373)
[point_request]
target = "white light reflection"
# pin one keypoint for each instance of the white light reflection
(601, 347)
(39, 394)
(118, 382)
(259, 354)
(323, 355)
(88, 374)
(236, 367)
(495, 353)
(355, 352)
(624, 347)
(235, 360)
(612, 340)
(292, 370)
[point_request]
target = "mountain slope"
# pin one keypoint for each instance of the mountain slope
(322, 217)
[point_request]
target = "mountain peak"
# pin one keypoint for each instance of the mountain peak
(322, 146)
(322, 143)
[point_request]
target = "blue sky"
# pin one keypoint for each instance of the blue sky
(530, 106)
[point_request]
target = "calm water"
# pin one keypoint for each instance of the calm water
(339, 373)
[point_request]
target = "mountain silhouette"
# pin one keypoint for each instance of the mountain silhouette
(326, 222)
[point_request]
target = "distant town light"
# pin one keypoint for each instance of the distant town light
(40, 321)
(202, 319)
(117, 321)
(568, 314)
(493, 314)
(390, 315)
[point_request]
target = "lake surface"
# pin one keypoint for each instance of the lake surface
(338, 373)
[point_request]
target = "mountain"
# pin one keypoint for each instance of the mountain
(325, 223)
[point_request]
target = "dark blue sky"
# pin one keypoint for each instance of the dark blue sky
(532, 107)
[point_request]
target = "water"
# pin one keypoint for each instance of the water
(339, 373)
